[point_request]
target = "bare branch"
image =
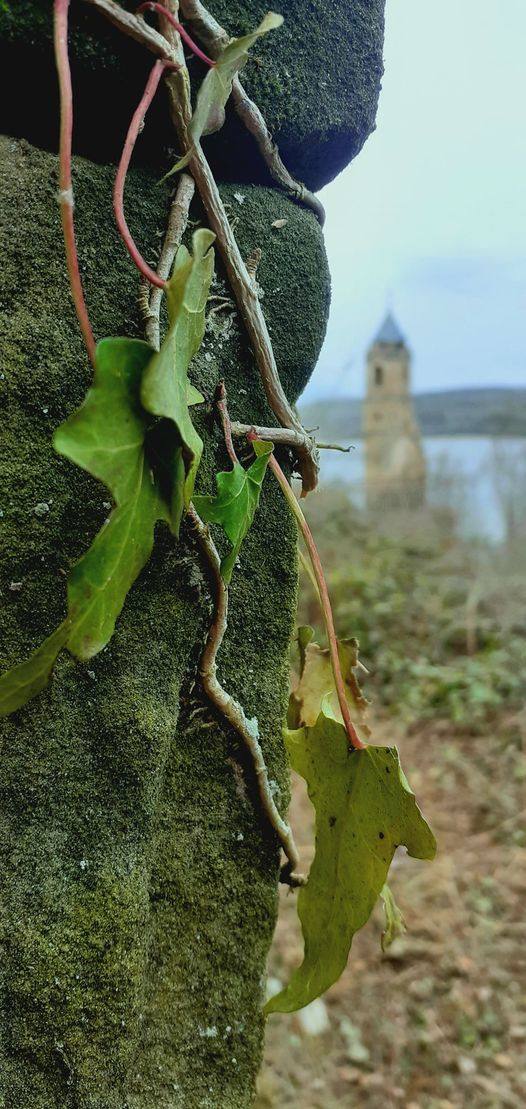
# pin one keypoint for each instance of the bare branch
(242, 285)
(284, 436)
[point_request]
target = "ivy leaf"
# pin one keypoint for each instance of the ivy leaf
(24, 681)
(235, 503)
(166, 390)
(148, 465)
(193, 396)
(107, 436)
(316, 682)
(217, 85)
(364, 810)
(394, 921)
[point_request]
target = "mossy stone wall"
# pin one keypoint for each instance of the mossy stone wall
(138, 877)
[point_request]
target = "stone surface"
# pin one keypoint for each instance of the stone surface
(316, 80)
(138, 878)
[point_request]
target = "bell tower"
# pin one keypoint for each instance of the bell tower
(395, 469)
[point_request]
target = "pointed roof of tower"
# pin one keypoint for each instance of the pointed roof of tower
(390, 332)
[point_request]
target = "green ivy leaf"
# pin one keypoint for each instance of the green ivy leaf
(166, 390)
(364, 810)
(394, 921)
(107, 436)
(217, 85)
(24, 681)
(148, 465)
(235, 503)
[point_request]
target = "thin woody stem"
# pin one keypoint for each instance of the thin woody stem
(61, 11)
(120, 180)
(222, 408)
(231, 709)
(161, 10)
(292, 502)
(177, 221)
(283, 435)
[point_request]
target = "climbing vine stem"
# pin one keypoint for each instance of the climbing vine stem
(61, 12)
(216, 38)
(245, 290)
(231, 709)
(221, 405)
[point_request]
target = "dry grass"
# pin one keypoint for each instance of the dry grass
(439, 1021)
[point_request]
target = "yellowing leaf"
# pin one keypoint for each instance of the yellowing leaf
(166, 390)
(235, 503)
(217, 85)
(317, 681)
(364, 811)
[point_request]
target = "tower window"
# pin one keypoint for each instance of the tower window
(378, 375)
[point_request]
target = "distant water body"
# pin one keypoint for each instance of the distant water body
(464, 473)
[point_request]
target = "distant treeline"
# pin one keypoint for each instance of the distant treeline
(453, 412)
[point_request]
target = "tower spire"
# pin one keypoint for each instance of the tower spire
(390, 332)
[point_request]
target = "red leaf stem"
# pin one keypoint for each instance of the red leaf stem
(61, 12)
(161, 10)
(292, 501)
(120, 180)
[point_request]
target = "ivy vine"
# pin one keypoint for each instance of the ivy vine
(135, 433)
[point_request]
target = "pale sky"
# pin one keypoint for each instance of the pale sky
(431, 217)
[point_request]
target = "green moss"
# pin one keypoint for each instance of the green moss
(139, 881)
(316, 80)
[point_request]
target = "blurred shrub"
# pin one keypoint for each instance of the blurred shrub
(441, 623)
